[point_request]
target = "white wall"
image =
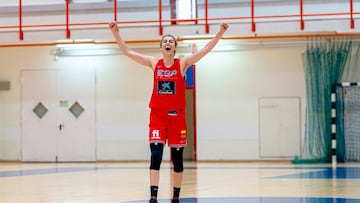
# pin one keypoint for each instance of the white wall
(123, 91)
(229, 85)
(1, 128)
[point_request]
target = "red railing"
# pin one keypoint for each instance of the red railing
(207, 29)
(302, 23)
(352, 22)
(160, 18)
(253, 26)
(67, 20)
(21, 34)
(115, 10)
(252, 18)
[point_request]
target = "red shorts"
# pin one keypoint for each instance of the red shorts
(168, 125)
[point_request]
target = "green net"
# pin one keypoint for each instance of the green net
(340, 138)
(324, 62)
(348, 111)
(347, 122)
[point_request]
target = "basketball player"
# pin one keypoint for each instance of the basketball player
(167, 103)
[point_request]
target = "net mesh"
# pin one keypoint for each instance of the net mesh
(324, 62)
(348, 110)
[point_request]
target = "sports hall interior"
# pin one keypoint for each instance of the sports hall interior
(74, 110)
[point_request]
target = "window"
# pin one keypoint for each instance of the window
(184, 11)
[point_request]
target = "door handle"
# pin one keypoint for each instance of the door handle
(61, 126)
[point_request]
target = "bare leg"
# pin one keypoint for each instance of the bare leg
(177, 179)
(154, 177)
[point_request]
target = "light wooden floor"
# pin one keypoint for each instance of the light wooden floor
(210, 182)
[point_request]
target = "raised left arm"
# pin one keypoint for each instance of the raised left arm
(193, 58)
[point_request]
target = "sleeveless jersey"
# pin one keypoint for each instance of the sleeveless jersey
(168, 88)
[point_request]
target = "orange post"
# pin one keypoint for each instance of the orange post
(302, 24)
(160, 18)
(352, 22)
(21, 33)
(115, 11)
(67, 20)
(253, 25)
(207, 30)
(193, 50)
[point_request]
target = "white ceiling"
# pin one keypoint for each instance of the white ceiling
(48, 5)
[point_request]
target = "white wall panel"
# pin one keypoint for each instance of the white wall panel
(228, 83)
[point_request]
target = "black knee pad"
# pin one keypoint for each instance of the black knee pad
(177, 159)
(156, 155)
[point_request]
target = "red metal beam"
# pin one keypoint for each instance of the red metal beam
(302, 24)
(160, 18)
(21, 33)
(115, 10)
(67, 20)
(195, 123)
(193, 50)
(165, 20)
(255, 37)
(253, 25)
(207, 30)
(352, 24)
(206, 18)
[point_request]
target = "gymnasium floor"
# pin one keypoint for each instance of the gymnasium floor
(204, 182)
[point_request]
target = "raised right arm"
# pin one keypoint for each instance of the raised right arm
(148, 61)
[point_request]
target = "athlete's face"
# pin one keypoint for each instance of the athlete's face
(168, 45)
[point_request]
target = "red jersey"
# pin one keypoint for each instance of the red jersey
(169, 87)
